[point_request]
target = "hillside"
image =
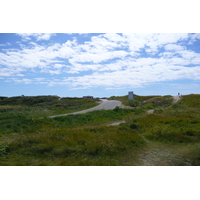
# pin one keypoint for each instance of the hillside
(45, 105)
(169, 136)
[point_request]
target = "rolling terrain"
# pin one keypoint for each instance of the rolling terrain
(168, 136)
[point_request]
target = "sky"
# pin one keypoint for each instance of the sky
(101, 65)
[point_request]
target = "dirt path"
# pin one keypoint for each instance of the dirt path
(176, 99)
(159, 154)
(116, 123)
(150, 111)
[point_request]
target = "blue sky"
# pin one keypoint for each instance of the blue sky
(101, 65)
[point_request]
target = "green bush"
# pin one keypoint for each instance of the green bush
(134, 103)
(149, 106)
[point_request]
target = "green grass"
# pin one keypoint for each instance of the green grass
(22, 122)
(179, 123)
(62, 146)
(94, 118)
(86, 139)
(67, 140)
(44, 105)
(174, 129)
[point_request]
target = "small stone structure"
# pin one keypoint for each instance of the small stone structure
(130, 95)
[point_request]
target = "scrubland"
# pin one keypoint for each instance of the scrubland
(169, 136)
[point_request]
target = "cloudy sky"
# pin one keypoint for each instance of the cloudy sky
(101, 65)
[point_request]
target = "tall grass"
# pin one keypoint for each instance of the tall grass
(178, 124)
(94, 118)
(23, 121)
(63, 146)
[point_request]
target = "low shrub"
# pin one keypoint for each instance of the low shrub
(3, 150)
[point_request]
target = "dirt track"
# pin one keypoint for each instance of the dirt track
(176, 99)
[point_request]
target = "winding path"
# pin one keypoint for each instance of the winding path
(175, 100)
(105, 105)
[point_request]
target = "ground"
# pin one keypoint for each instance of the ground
(159, 154)
(156, 134)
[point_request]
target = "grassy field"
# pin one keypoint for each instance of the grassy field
(170, 136)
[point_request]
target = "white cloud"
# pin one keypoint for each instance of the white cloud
(23, 80)
(114, 37)
(174, 47)
(127, 66)
(130, 77)
(99, 49)
(194, 37)
(25, 36)
(152, 41)
(137, 77)
(45, 36)
(37, 36)
(4, 45)
(83, 57)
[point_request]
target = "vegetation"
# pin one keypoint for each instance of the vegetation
(44, 105)
(144, 100)
(170, 136)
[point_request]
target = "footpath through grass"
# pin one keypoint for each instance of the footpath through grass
(68, 140)
(173, 134)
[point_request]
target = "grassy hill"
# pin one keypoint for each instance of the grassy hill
(170, 136)
(44, 105)
(143, 100)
